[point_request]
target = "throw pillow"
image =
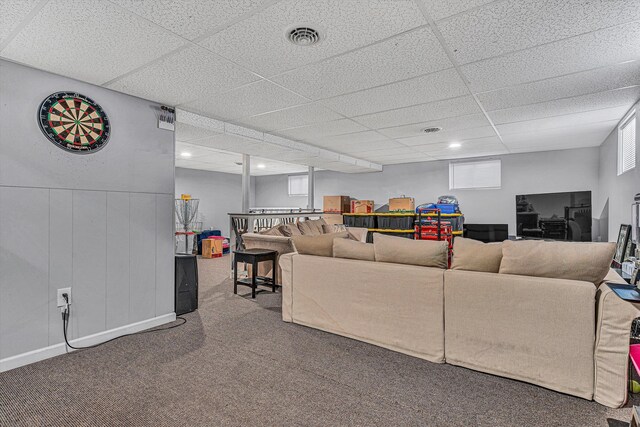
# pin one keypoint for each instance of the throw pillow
(273, 231)
(321, 245)
(333, 228)
(309, 228)
(473, 255)
(585, 261)
(347, 248)
(290, 230)
(400, 250)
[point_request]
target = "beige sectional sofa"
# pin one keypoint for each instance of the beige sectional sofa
(567, 335)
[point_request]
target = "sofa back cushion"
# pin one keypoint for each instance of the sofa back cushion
(273, 231)
(311, 227)
(290, 230)
(320, 245)
(473, 255)
(400, 250)
(351, 249)
(584, 261)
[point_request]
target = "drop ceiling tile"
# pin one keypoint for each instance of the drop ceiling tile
(582, 83)
(598, 49)
(335, 127)
(480, 147)
(420, 90)
(259, 42)
(185, 132)
(448, 136)
(447, 125)
(255, 98)
(511, 25)
(13, 13)
(570, 120)
(350, 138)
(439, 9)
(408, 55)
(596, 101)
(101, 41)
(364, 147)
(556, 139)
(225, 142)
(290, 117)
(192, 18)
(183, 76)
(429, 112)
(416, 158)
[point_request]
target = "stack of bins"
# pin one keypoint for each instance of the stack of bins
(398, 224)
(431, 225)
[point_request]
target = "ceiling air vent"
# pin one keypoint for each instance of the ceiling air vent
(431, 129)
(303, 36)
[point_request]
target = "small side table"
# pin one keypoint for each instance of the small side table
(253, 257)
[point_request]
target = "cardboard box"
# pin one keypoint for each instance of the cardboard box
(333, 219)
(361, 206)
(402, 204)
(336, 204)
(212, 248)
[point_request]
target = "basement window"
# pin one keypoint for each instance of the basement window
(480, 174)
(298, 185)
(627, 144)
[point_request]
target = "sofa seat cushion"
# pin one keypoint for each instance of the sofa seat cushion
(400, 250)
(321, 245)
(350, 249)
(584, 261)
(473, 255)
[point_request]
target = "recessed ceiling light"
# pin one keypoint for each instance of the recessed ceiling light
(185, 154)
(303, 36)
(432, 129)
(455, 145)
(261, 166)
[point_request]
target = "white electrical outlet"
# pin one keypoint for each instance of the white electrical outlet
(61, 301)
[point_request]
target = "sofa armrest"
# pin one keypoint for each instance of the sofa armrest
(286, 267)
(611, 353)
(358, 233)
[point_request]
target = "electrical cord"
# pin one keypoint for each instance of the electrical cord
(66, 312)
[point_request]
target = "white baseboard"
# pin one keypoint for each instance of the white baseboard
(58, 349)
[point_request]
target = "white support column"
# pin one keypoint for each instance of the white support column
(311, 188)
(246, 182)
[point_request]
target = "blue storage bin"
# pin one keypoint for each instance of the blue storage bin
(448, 208)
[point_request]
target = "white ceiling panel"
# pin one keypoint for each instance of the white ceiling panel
(101, 41)
(439, 9)
(259, 42)
(255, 98)
(469, 148)
(511, 25)
(432, 87)
(448, 136)
(595, 101)
(418, 157)
(560, 139)
(13, 13)
(178, 78)
(192, 18)
(582, 83)
(290, 117)
(575, 120)
(185, 132)
(364, 147)
(319, 130)
(420, 113)
(448, 124)
(598, 49)
(408, 55)
(350, 138)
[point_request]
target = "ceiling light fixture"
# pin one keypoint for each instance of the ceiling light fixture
(432, 129)
(303, 36)
(185, 154)
(455, 145)
(261, 165)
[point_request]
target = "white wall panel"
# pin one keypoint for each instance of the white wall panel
(142, 257)
(24, 263)
(89, 262)
(117, 281)
(164, 251)
(60, 257)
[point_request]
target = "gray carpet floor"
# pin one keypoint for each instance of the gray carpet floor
(236, 363)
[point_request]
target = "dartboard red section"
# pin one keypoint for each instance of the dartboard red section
(74, 122)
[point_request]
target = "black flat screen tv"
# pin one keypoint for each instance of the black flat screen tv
(554, 216)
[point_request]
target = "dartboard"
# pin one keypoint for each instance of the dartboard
(74, 122)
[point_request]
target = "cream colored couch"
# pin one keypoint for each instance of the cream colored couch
(566, 335)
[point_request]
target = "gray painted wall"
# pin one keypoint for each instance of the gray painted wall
(541, 172)
(101, 223)
(616, 192)
(219, 194)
